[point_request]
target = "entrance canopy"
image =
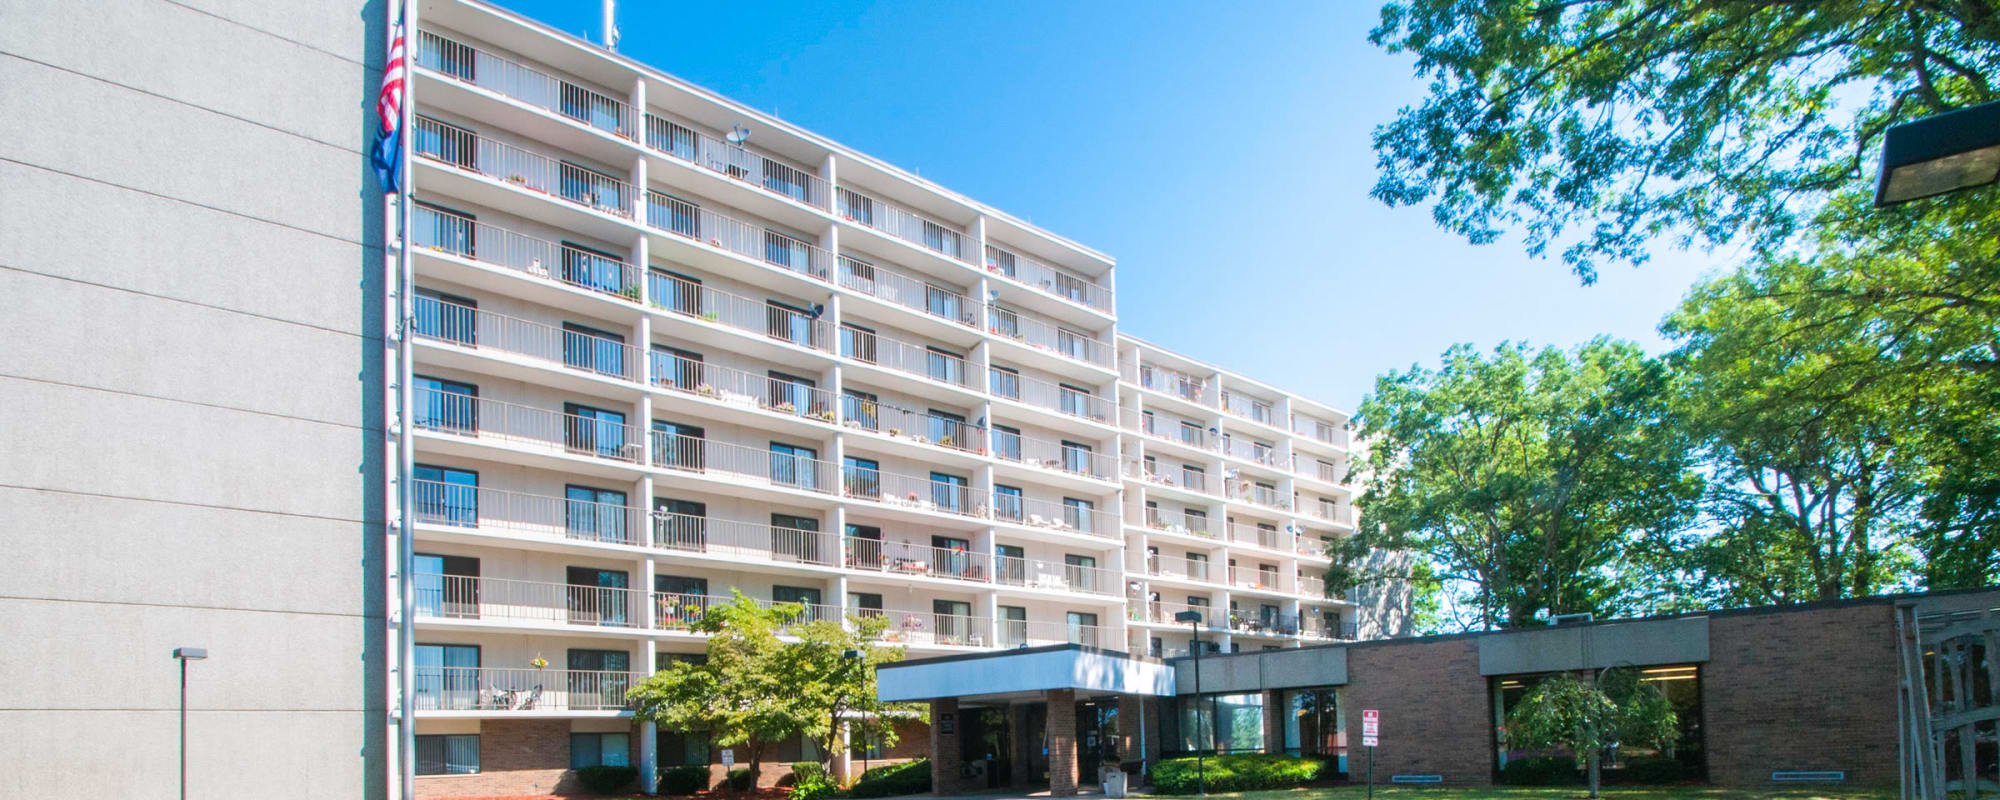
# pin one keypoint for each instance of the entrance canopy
(1025, 672)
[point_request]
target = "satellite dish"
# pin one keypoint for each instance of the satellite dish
(993, 295)
(738, 135)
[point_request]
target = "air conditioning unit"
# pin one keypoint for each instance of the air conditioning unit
(1570, 619)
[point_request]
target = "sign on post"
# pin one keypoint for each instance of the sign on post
(728, 758)
(1371, 727)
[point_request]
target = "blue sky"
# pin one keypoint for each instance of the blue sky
(1219, 151)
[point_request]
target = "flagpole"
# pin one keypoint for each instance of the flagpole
(406, 558)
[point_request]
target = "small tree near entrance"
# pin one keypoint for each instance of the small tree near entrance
(1585, 714)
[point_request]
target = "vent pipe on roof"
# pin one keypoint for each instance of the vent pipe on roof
(611, 25)
(1570, 619)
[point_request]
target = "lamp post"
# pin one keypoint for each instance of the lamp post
(1193, 619)
(184, 655)
(1939, 154)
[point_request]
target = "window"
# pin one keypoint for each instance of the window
(448, 587)
(680, 601)
(589, 107)
(938, 237)
(789, 324)
(1010, 565)
(593, 350)
(855, 206)
(1081, 572)
(600, 750)
(1197, 566)
(1004, 321)
(952, 622)
(786, 180)
(1194, 477)
(1076, 401)
(943, 302)
(447, 754)
(448, 57)
(447, 676)
(1190, 433)
(1004, 382)
(675, 368)
(682, 748)
(1007, 442)
(1146, 422)
(598, 678)
(857, 274)
(947, 429)
(1227, 723)
(1000, 261)
(593, 269)
(1077, 514)
(1013, 626)
(671, 138)
(861, 477)
(866, 604)
(446, 317)
(1073, 344)
(792, 465)
(796, 538)
(857, 343)
(446, 496)
(948, 492)
(450, 231)
(790, 394)
(586, 186)
(445, 406)
(953, 555)
(675, 292)
(1197, 519)
(1076, 458)
(1082, 628)
(864, 547)
(861, 408)
(447, 143)
(594, 514)
(1261, 453)
(672, 214)
(944, 365)
(678, 446)
(594, 430)
(598, 597)
(1007, 503)
(807, 597)
(1072, 287)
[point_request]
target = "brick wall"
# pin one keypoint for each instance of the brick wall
(946, 751)
(1062, 742)
(516, 757)
(1436, 717)
(1802, 690)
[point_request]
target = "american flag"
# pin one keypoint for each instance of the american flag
(389, 107)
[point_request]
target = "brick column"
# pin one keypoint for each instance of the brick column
(1274, 721)
(1128, 727)
(1026, 746)
(945, 749)
(1062, 742)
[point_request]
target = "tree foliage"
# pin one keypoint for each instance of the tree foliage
(1608, 123)
(1587, 714)
(1522, 474)
(842, 688)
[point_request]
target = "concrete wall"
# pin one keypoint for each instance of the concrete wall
(189, 283)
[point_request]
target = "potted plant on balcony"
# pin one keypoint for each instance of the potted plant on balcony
(944, 441)
(785, 408)
(539, 662)
(631, 293)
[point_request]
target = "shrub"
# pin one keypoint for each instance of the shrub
(1541, 771)
(740, 779)
(1653, 769)
(810, 782)
(605, 779)
(909, 777)
(1240, 772)
(683, 780)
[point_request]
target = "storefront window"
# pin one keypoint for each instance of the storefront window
(1229, 723)
(1681, 683)
(1315, 727)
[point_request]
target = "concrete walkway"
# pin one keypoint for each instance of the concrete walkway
(1081, 791)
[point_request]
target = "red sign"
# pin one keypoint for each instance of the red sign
(1370, 715)
(1371, 726)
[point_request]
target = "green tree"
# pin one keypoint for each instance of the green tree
(1587, 714)
(842, 688)
(1608, 123)
(744, 695)
(1523, 475)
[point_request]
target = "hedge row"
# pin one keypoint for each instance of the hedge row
(909, 777)
(1240, 772)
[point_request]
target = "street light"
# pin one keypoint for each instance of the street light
(1193, 619)
(1939, 154)
(184, 655)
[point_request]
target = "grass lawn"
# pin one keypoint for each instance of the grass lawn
(1566, 793)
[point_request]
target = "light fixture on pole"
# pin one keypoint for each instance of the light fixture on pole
(184, 655)
(1193, 619)
(1940, 154)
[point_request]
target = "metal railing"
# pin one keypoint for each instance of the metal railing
(735, 161)
(1074, 401)
(1072, 458)
(744, 541)
(904, 558)
(1162, 613)
(1252, 451)
(918, 426)
(1177, 478)
(670, 214)
(675, 611)
(1310, 586)
(910, 491)
(1040, 632)
(1321, 430)
(1039, 574)
(1266, 496)
(1269, 538)
(466, 415)
(1316, 628)
(748, 389)
(680, 452)
(1250, 577)
(461, 236)
(472, 597)
(1329, 511)
(1170, 429)
(924, 628)
(1055, 281)
(1031, 330)
(1181, 568)
(491, 689)
(688, 298)
(1182, 523)
(459, 506)
(1173, 382)
(1325, 471)
(944, 302)
(465, 150)
(871, 348)
(525, 84)
(872, 212)
(1037, 513)
(1262, 623)
(445, 321)
(1250, 408)
(1311, 547)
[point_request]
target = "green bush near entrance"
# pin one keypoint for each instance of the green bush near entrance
(1541, 771)
(1241, 772)
(909, 777)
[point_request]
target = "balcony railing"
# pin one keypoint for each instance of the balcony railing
(452, 323)
(1254, 578)
(782, 395)
(1061, 576)
(1330, 511)
(474, 507)
(1173, 382)
(506, 690)
(1250, 408)
(691, 299)
(944, 302)
(681, 142)
(1320, 430)
(683, 453)
(743, 541)
(1262, 623)
(1183, 479)
(461, 236)
(924, 362)
(1032, 633)
(1313, 548)
(463, 597)
(1188, 524)
(1313, 587)
(1038, 513)
(1163, 614)
(1183, 569)
(910, 491)
(1266, 496)
(525, 84)
(1317, 628)
(1252, 451)
(1058, 282)
(921, 427)
(904, 558)
(673, 215)
(482, 418)
(460, 148)
(901, 223)
(923, 628)
(1028, 329)
(1269, 538)
(1068, 457)
(1170, 429)
(679, 612)
(1072, 400)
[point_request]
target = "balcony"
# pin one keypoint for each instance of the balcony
(736, 162)
(1252, 451)
(1069, 458)
(1269, 538)
(778, 395)
(1066, 577)
(1312, 587)
(524, 84)
(904, 558)
(910, 492)
(456, 235)
(553, 431)
(777, 469)
(1318, 628)
(1330, 511)
(1263, 624)
(1187, 435)
(1320, 430)
(511, 691)
(891, 286)
(736, 541)
(769, 246)
(694, 301)
(1173, 382)
(927, 629)
(1191, 481)
(466, 151)
(1029, 330)
(1250, 408)
(1159, 613)
(1184, 524)
(930, 363)
(1074, 401)
(1180, 569)
(920, 427)
(1260, 495)
(898, 222)
(451, 505)
(1265, 580)
(450, 323)
(1052, 280)
(684, 612)
(1036, 513)
(460, 598)
(1034, 633)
